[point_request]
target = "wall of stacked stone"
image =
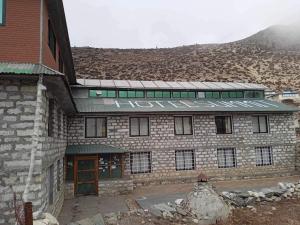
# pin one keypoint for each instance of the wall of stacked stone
(162, 144)
(115, 187)
(17, 115)
(298, 156)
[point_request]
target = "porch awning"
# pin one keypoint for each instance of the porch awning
(92, 149)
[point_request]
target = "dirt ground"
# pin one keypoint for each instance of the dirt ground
(285, 212)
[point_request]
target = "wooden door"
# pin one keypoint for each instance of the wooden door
(86, 175)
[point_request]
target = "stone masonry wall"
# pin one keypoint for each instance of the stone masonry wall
(17, 116)
(162, 144)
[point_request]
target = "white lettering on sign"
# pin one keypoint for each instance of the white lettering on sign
(144, 104)
(124, 103)
(186, 104)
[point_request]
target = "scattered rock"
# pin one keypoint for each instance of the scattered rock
(178, 201)
(204, 202)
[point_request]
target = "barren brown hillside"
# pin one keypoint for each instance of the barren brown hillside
(270, 57)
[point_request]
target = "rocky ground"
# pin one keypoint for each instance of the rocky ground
(270, 57)
(274, 206)
(284, 212)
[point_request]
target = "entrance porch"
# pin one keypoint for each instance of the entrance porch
(95, 170)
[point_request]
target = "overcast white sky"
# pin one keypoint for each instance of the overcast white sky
(169, 23)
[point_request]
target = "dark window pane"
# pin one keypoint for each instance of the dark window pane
(216, 94)
(223, 124)
(51, 39)
(263, 126)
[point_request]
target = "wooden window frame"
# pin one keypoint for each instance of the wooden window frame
(85, 126)
(182, 123)
(139, 126)
(231, 125)
(258, 120)
(121, 156)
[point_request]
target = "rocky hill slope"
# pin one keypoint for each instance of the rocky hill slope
(270, 57)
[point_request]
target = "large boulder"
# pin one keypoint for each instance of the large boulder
(206, 204)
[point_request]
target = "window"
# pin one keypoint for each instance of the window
(103, 93)
(95, 127)
(158, 94)
(51, 39)
(110, 166)
(2, 12)
(140, 162)
(58, 175)
(260, 124)
(69, 168)
(223, 124)
(212, 94)
(50, 184)
(264, 156)
(254, 94)
(183, 125)
(131, 94)
(184, 94)
(51, 118)
(185, 160)
(139, 126)
(226, 157)
(60, 63)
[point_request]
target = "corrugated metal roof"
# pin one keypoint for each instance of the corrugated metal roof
(92, 149)
(135, 84)
(170, 105)
(26, 68)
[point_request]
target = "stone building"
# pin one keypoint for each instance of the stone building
(62, 137)
(145, 132)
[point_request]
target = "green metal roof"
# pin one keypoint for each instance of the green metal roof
(26, 68)
(92, 149)
(105, 105)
